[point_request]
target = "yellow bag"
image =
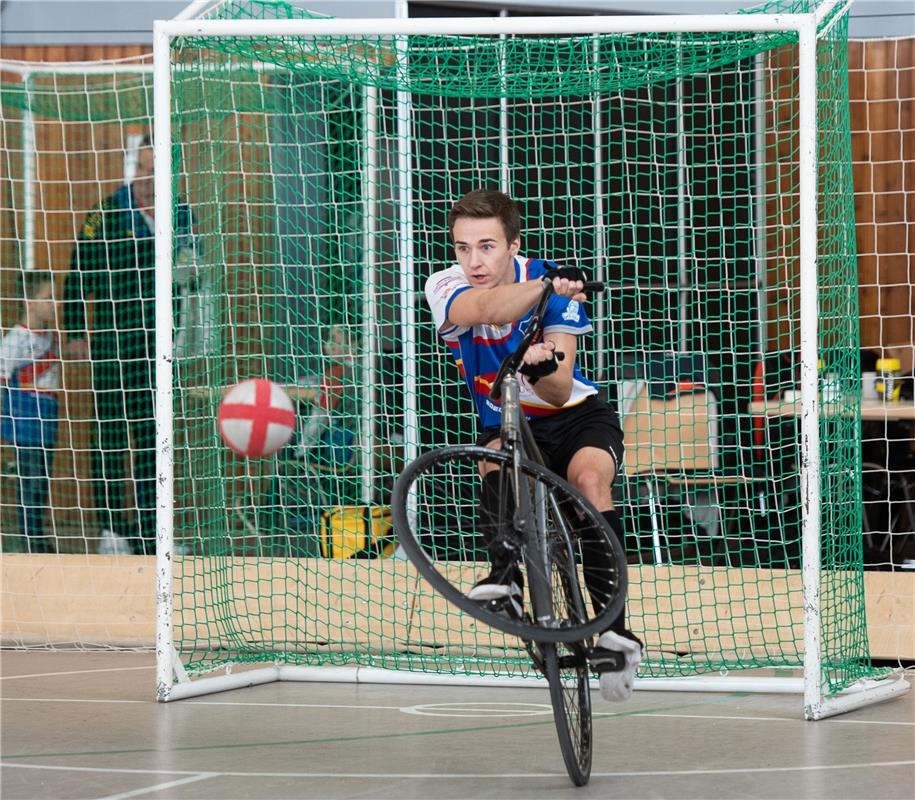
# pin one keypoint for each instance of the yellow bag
(357, 532)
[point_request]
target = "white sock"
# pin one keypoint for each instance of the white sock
(617, 686)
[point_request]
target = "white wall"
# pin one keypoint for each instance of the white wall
(869, 18)
(44, 22)
(47, 22)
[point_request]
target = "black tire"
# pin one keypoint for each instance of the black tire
(443, 527)
(566, 669)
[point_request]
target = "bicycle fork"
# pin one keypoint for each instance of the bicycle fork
(530, 518)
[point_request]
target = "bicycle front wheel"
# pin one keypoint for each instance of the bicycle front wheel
(435, 512)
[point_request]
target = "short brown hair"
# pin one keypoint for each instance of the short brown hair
(486, 203)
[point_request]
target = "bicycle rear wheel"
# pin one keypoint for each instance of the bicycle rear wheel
(435, 512)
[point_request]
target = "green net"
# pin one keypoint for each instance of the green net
(320, 171)
(666, 165)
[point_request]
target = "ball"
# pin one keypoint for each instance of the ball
(256, 418)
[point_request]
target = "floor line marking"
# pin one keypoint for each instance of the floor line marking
(71, 672)
(193, 702)
(597, 714)
(470, 775)
(159, 786)
(764, 719)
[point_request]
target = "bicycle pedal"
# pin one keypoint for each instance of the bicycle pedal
(503, 607)
(603, 660)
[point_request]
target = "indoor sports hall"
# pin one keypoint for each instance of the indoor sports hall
(389, 388)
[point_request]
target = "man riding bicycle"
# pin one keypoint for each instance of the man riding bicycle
(481, 306)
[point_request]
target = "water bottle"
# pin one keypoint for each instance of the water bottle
(828, 387)
(888, 384)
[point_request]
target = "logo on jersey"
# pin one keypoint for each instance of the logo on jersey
(92, 225)
(571, 314)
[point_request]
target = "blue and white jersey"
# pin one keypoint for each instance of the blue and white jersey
(480, 350)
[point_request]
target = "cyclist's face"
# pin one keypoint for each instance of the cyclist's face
(483, 252)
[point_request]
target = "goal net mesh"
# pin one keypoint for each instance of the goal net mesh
(320, 172)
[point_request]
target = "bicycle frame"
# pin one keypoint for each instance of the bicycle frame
(546, 525)
(516, 437)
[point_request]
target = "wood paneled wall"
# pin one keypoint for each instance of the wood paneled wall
(882, 103)
(882, 91)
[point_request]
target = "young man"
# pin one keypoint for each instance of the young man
(480, 307)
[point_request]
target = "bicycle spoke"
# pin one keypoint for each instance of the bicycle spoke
(566, 669)
(441, 532)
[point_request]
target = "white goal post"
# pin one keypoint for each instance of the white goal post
(172, 678)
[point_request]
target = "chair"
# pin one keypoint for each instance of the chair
(888, 519)
(672, 448)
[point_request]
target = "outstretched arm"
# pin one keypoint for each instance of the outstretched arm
(504, 304)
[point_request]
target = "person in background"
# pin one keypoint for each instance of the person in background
(29, 406)
(113, 265)
(326, 436)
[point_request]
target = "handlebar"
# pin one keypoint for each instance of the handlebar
(589, 286)
(512, 361)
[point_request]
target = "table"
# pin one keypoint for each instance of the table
(870, 409)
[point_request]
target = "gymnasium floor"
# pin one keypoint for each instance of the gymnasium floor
(83, 725)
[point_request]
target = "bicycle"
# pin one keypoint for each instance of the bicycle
(554, 531)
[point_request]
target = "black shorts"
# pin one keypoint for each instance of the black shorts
(592, 423)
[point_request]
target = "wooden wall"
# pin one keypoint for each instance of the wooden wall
(882, 91)
(65, 599)
(882, 98)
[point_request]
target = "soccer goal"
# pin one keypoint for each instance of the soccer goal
(699, 165)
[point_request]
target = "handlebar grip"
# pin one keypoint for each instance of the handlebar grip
(590, 286)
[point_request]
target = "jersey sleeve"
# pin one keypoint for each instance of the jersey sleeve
(6, 358)
(14, 351)
(564, 315)
(441, 290)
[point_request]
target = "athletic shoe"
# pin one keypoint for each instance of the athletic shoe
(501, 593)
(616, 660)
(113, 545)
